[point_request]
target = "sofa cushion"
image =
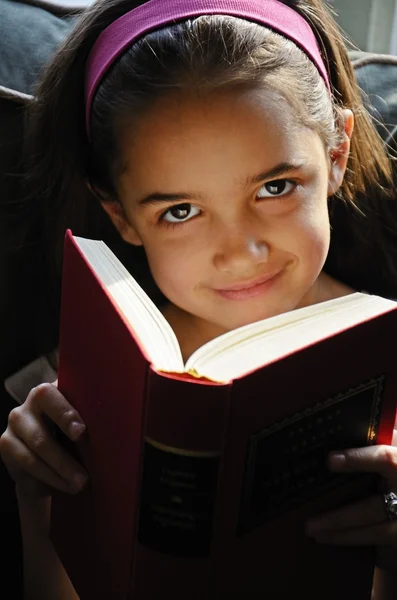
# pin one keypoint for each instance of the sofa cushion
(28, 37)
(377, 77)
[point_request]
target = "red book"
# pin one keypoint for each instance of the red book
(202, 475)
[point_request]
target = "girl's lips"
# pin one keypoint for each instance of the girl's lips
(246, 291)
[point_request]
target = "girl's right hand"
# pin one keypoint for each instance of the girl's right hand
(29, 449)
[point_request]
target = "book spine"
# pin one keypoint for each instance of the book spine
(103, 374)
(183, 442)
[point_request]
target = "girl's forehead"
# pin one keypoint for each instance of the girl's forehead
(214, 143)
(193, 119)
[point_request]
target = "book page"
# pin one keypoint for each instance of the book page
(151, 330)
(246, 349)
(237, 352)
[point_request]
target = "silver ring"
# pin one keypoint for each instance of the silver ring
(391, 505)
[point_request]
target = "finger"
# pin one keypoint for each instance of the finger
(380, 459)
(368, 511)
(381, 534)
(20, 461)
(46, 399)
(33, 433)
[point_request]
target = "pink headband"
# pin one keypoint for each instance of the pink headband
(155, 14)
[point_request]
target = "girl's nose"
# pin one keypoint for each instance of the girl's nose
(240, 256)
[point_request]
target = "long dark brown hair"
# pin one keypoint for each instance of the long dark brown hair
(210, 52)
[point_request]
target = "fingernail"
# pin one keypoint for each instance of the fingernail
(337, 460)
(75, 430)
(79, 482)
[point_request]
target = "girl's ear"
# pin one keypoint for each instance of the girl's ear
(117, 215)
(340, 155)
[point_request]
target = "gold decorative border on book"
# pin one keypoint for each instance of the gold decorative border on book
(377, 383)
(304, 460)
(181, 451)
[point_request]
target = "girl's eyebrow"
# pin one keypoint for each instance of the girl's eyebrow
(158, 197)
(281, 169)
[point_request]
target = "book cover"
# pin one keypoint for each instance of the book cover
(200, 489)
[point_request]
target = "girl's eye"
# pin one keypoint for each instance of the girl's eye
(276, 188)
(180, 213)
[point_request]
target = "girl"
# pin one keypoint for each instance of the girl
(217, 136)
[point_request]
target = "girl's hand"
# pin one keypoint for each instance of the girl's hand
(30, 451)
(366, 522)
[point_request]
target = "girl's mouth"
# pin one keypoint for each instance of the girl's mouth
(250, 289)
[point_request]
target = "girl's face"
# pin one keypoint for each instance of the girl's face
(228, 196)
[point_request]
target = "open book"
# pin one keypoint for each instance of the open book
(202, 475)
(237, 352)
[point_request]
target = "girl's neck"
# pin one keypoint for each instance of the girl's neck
(325, 288)
(191, 332)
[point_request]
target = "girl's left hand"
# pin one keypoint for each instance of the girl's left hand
(366, 522)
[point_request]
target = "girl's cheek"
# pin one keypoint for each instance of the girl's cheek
(314, 219)
(309, 235)
(166, 261)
